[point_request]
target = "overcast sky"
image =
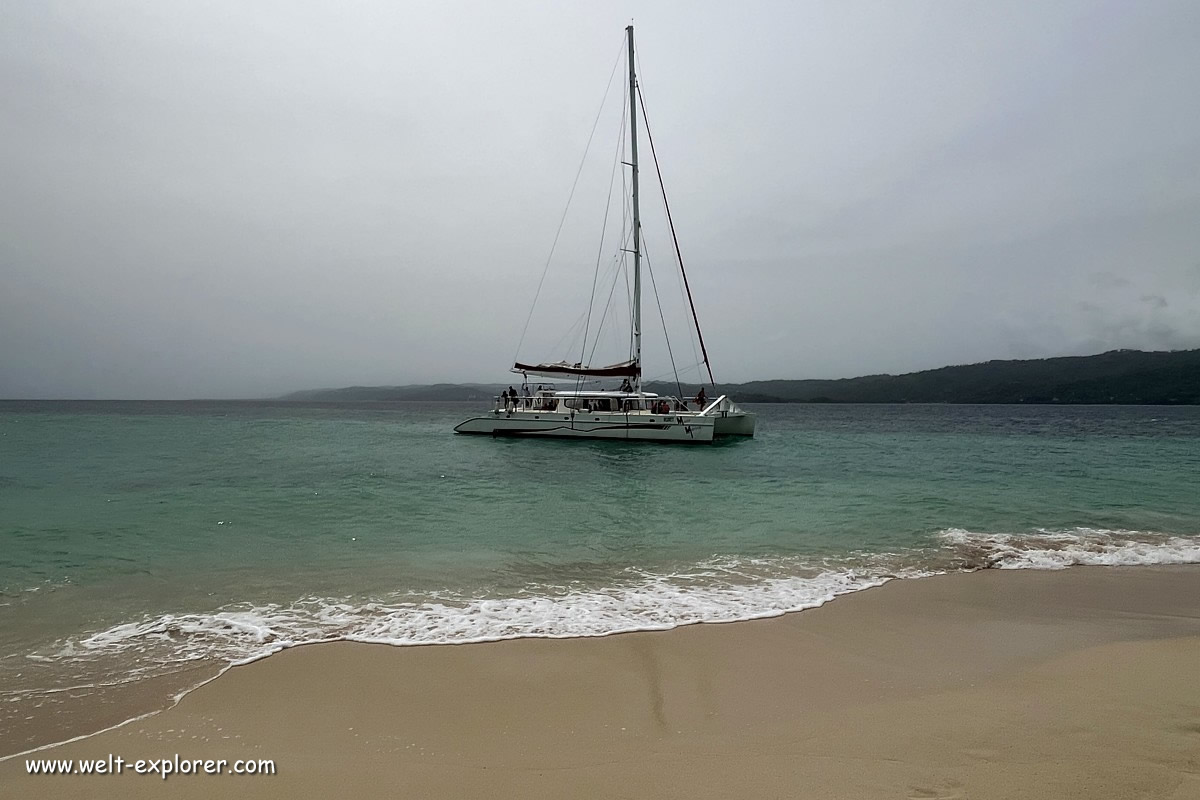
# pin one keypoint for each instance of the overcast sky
(240, 199)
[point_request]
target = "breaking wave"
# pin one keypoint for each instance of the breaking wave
(243, 633)
(716, 590)
(1045, 549)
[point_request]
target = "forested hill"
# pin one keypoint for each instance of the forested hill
(1119, 376)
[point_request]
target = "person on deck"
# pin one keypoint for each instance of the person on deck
(626, 386)
(701, 399)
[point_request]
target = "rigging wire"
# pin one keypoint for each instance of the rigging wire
(679, 280)
(612, 178)
(570, 197)
(608, 304)
(626, 224)
(617, 160)
(662, 317)
(620, 263)
(570, 336)
(671, 223)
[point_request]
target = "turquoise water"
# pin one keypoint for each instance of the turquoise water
(139, 538)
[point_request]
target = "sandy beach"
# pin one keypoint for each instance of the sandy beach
(1083, 683)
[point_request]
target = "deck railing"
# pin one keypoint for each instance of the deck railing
(588, 405)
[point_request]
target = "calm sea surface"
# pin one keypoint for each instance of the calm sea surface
(139, 540)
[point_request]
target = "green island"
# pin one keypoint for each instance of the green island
(1125, 377)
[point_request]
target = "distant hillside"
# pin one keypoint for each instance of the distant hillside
(1119, 376)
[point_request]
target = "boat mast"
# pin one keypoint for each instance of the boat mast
(637, 222)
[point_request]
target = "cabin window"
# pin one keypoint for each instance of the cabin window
(605, 404)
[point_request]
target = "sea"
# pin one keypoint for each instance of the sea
(147, 546)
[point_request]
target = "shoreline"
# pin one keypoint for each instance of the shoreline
(215, 640)
(906, 657)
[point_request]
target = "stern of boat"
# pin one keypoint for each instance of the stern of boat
(729, 419)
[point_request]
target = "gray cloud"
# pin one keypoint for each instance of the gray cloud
(244, 199)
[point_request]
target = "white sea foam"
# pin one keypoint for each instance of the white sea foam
(240, 634)
(1046, 549)
(723, 589)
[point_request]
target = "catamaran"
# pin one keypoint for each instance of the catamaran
(627, 412)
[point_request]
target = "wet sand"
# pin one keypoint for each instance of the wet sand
(1076, 684)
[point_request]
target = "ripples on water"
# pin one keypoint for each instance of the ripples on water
(144, 538)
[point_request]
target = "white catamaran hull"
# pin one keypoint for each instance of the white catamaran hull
(685, 428)
(735, 424)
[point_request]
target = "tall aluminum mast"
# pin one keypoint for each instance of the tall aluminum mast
(637, 222)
